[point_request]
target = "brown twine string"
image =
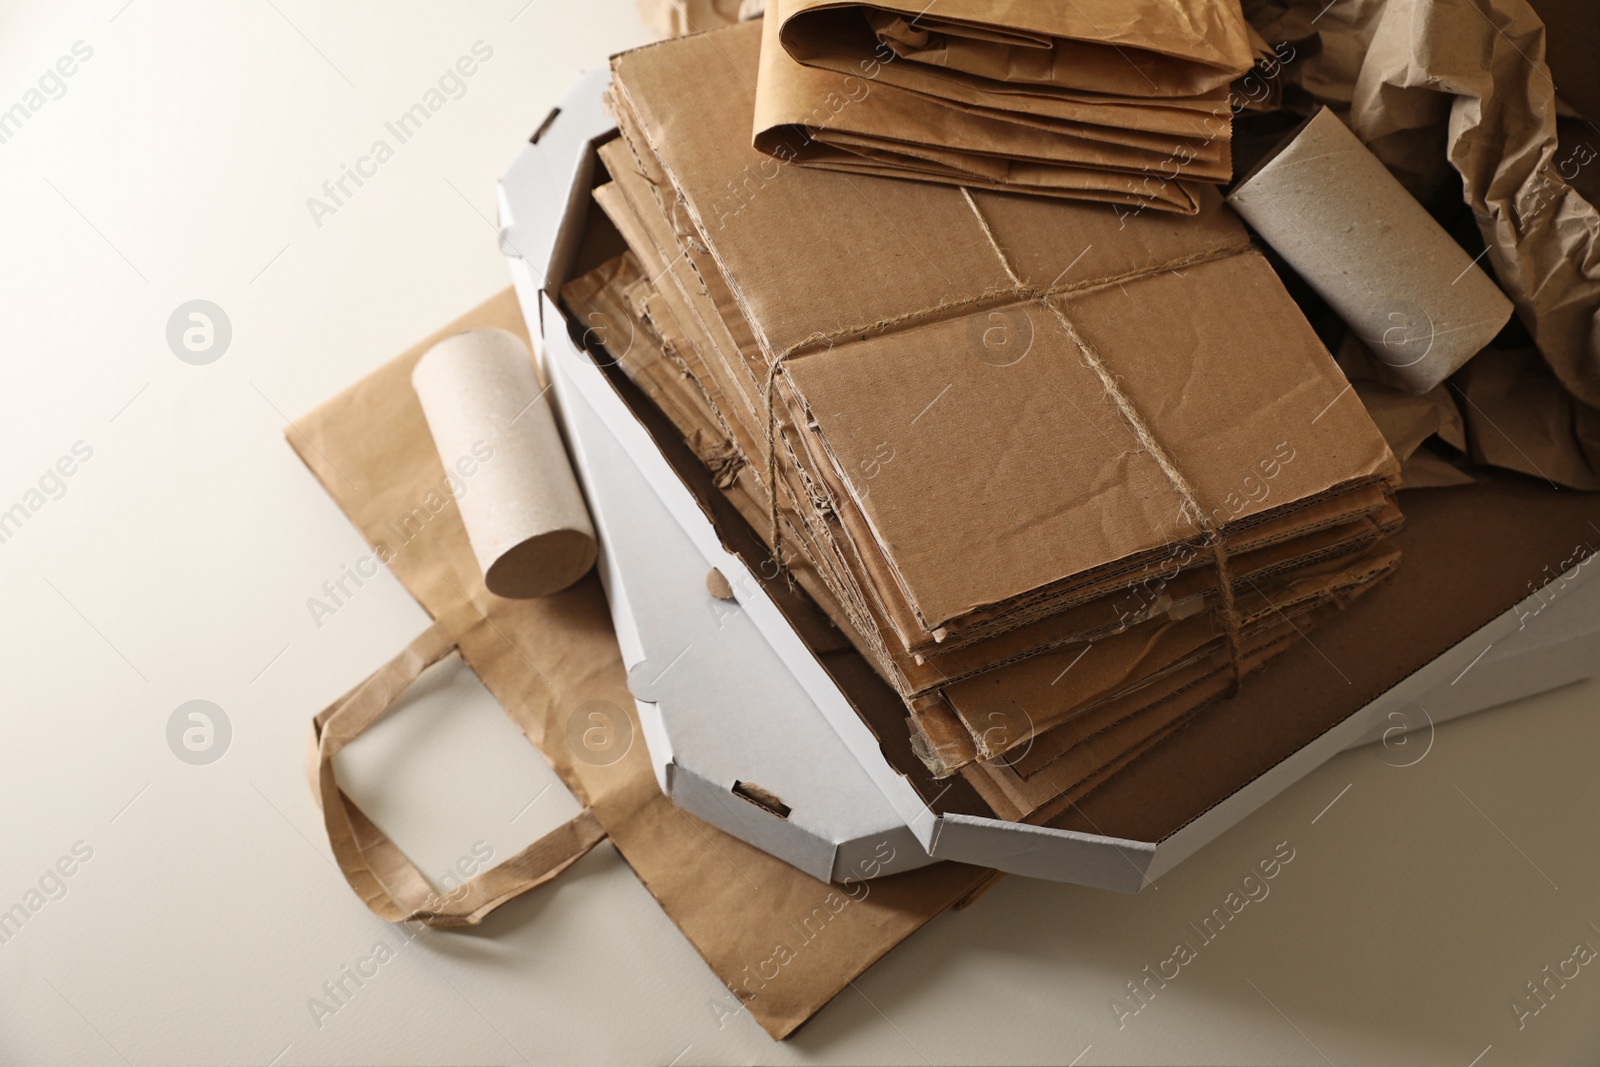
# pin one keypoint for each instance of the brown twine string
(1020, 291)
(771, 443)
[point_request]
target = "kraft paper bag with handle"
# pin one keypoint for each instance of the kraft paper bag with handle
(543, 660)
(385, 879)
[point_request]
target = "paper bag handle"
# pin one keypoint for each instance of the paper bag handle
(382, 875)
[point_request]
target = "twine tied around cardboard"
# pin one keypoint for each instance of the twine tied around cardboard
(1214, 537)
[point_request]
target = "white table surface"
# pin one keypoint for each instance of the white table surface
(176, 563)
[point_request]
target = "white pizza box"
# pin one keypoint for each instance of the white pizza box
(734, 739)
(545, 205)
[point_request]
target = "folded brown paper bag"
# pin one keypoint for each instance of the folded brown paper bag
(1122, 101)
(543, 660)
(1137, 48)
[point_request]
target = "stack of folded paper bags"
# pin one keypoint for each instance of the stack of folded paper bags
(1060, 474)
(1125, 101)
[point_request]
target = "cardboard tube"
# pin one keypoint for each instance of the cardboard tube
(1330, 208)
(497, 438)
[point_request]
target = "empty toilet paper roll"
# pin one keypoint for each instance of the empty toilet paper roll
(521, 506)
(1330, 208)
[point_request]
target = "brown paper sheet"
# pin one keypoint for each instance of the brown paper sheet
(1519, 417)
(543, 659)
(1407, 420)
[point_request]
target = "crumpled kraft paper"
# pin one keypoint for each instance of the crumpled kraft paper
(1463, 83)
(1519, 417)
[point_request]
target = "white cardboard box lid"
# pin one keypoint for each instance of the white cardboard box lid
(719, 708)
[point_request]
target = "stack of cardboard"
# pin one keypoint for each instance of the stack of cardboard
(1056, 518)
(1109, 100)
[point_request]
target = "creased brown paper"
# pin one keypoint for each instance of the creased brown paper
(1520, 418)
(1544, 239)
(1431, 85)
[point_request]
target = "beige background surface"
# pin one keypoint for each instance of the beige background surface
(179, 562)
